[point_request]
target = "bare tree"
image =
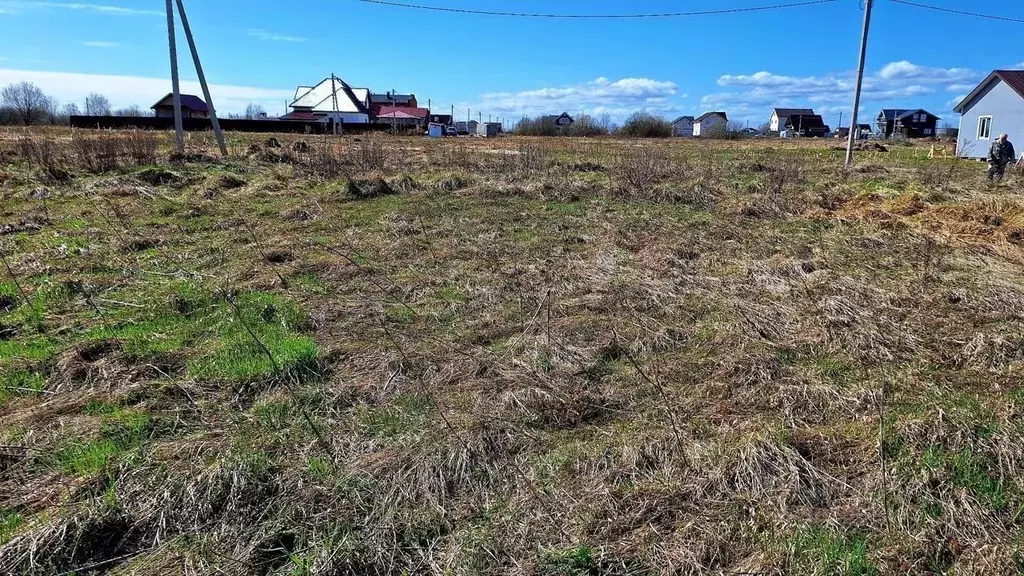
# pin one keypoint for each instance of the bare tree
(132, 110)
(70, 109)
(254, 111)
(29, 103)
(97, 105)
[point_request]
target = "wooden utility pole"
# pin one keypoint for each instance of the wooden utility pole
(202, 80)
(860, 81)
(179, 134)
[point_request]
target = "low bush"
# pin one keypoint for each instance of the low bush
(646, 125)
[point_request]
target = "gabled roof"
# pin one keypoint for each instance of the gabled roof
(389, 98)
(188, 101)
(787, 112)
(805, 121)
(409, 112)
(902, 113)
(707, 115)
(1013, 78)
(864, 127)
(319, 98)
(683, 118)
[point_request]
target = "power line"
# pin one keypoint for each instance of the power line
(596, 16)
(959, 12)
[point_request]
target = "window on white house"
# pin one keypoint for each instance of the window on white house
(984, 127)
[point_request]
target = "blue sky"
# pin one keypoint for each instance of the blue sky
(260, 50)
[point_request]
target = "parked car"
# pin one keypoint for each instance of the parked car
(451, 131)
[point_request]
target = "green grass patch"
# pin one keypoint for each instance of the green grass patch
(970, 471)
(121, 431)
(10, 523)
(404, 415)
(816, 550)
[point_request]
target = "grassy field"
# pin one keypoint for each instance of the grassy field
(517, 356)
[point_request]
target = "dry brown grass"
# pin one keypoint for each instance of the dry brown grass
(532, 357)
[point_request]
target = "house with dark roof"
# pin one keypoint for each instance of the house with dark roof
(777, 122)
(378, 101)
(710, 124)
(192, 106)
(909, 123)
(805, 125)
(330, 100)
(993, 107)
(683, 126)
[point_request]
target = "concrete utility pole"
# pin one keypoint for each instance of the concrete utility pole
(179, 134)
(860, 81)
(202, 80)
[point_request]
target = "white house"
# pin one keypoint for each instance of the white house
(710, 123)
(995, 106)
(331, 98)
(683, 126)
(780, 115)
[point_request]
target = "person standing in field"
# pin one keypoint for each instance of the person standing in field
(999, 155)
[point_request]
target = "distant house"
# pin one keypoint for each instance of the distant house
(445, 119)
(378, 101)
(777, 123)
(807, 126)
(863, 131)
(916, 123)
(683, 126)
(994, 107)
(488, 129)
(710, 123)
(331, 99)
(403, 116)
(191, 107)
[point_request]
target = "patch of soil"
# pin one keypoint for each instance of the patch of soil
(452, 184)
(366, 189)
(230, 182)
(297, 215)
(586, 167)
(28, 224)
(158, 176)
(8, 332)
(279, 255)
(140, 244)
(81, 364)
(193, 157)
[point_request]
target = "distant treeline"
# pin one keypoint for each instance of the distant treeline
(641, 124)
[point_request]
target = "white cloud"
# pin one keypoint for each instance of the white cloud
(617, 98)
(100, 44)
(272, 37)
(143, 91)
(81, 7)
(893, 84)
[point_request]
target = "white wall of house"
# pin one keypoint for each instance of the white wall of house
(774, 127)
(708, 125)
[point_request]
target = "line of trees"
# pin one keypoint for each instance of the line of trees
(642, 124)
(24, 103)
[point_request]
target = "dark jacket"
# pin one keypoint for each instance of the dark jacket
(1001, 153)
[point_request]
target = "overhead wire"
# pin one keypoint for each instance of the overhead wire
(395, 4)
(959, 12)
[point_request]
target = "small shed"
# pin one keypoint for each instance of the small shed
(488, 129)
(435, 130)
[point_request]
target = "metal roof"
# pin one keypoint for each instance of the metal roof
(319, 98)
(388, 98)
(189, 101)
(1013, 78)
(682, 118)
(901, 113)
(787, 112)
(411, 112)
(707, 115)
